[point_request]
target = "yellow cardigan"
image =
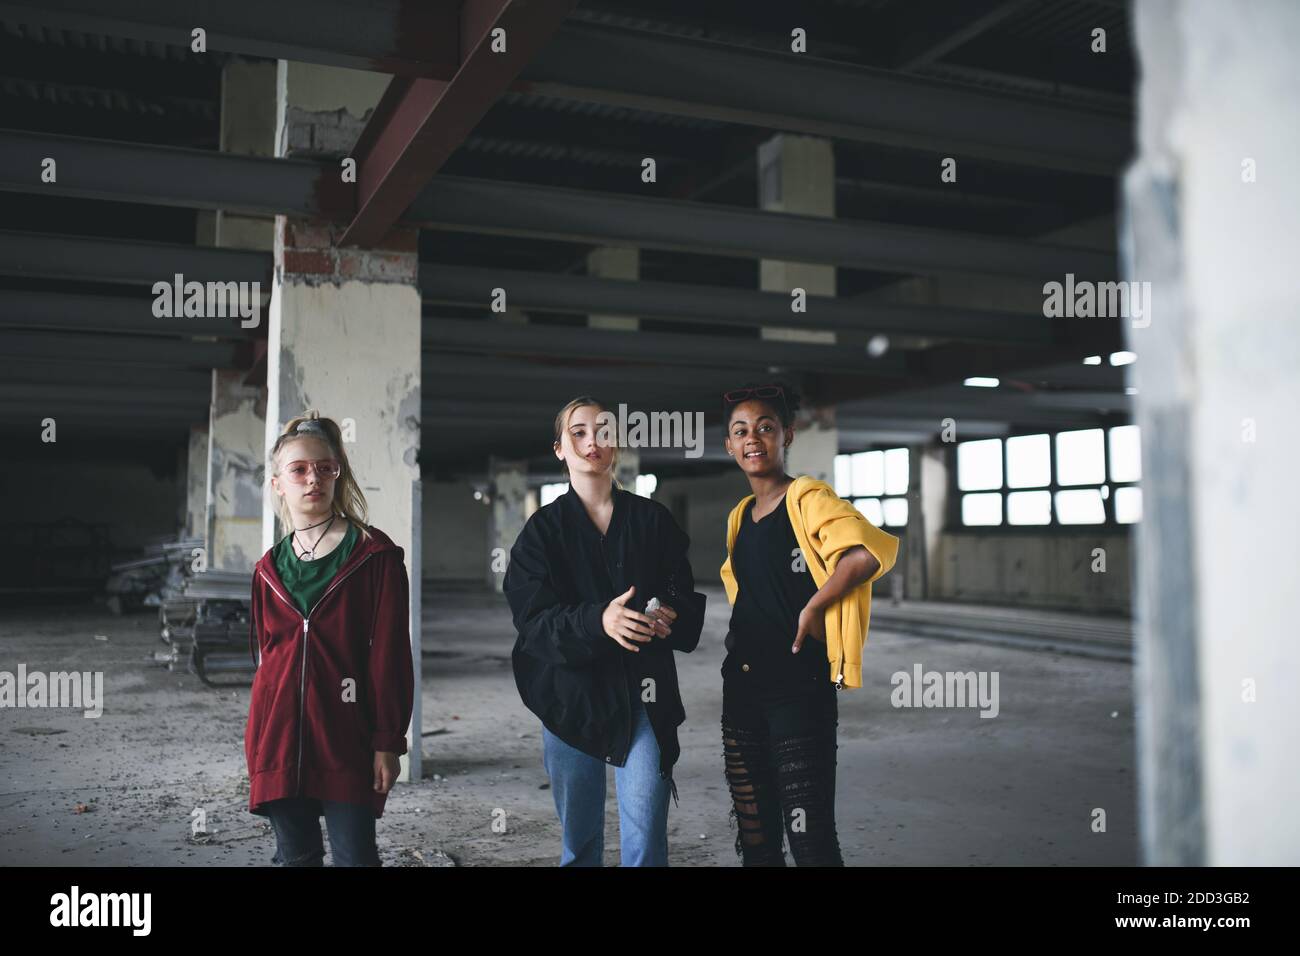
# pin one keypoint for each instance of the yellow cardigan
(826, 526)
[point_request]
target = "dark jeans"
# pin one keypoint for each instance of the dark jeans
(779, 747)
(298, 839)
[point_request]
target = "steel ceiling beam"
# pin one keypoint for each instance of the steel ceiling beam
(515, 374)
(800, 93)
(470, 285)
(99, 260)
(504, 338)
(578, 215)
(169, 176)
(140, 392)
(122, 350)
(420, 122)
(53, 372)
(95, 259)
(1072, 375)
(403, 37)
(1102, 402)
(29, 309)
(984, 408)
(16, 411)
(638, 69)
(1041, 380)
(907, 431)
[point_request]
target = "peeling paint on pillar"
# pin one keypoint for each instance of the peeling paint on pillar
(293, 400)
(344, 329)
(350, 348)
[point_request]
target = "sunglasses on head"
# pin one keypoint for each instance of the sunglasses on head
(760, 391)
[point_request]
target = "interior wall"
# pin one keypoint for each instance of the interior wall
(138, 503)
(701, 506)
(454, 533)
(137, 500)
(1038, 570)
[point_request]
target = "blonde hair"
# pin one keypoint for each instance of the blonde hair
(348, 499)
(562, 422)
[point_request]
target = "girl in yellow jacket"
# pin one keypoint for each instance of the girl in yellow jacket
(800, 564)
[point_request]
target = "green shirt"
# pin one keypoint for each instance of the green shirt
(307, 580)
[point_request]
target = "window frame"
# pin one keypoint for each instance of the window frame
(907, 495)
(955, 494)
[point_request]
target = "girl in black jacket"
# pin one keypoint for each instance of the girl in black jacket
(592, 661)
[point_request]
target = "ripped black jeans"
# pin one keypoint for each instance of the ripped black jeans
(779, 747)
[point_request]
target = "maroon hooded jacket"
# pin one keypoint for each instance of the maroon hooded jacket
(307, 734)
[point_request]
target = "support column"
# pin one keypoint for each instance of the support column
(816, 443)
(629, 466)
(344, 338)
(196, 484)
(508, 488)
(234, 459)
(248, 129)
(927, 518)
(1210, 209)
(235, 472)
(614, 262)
(797, 174)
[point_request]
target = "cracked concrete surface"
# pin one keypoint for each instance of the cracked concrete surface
(932, 787)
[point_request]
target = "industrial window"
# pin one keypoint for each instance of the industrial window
(1081, 477)
(877, 483)
(1125, 459)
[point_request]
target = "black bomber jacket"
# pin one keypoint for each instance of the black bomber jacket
(563, 573)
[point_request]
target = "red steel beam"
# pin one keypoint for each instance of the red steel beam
(420, 122)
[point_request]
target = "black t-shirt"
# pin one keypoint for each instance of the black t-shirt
(774, 586)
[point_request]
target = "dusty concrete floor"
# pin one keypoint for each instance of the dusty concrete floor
(916, 787)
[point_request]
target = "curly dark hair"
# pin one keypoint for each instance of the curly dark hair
(786, 404)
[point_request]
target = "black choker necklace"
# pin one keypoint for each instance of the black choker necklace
(311, 555)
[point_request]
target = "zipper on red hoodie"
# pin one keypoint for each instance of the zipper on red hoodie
(302, 685)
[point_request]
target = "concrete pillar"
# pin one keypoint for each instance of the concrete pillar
(232, 464)
(196, 484)
(247, 128)
(629, 466)
(816, 443)
(182, 491)
(797, 174)
(1211, 204)
(927, 516)
(508, 489)
(344, 337)
(614, 262)
(235, 472)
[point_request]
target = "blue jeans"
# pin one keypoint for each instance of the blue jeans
(578, 785)
(297, 832)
